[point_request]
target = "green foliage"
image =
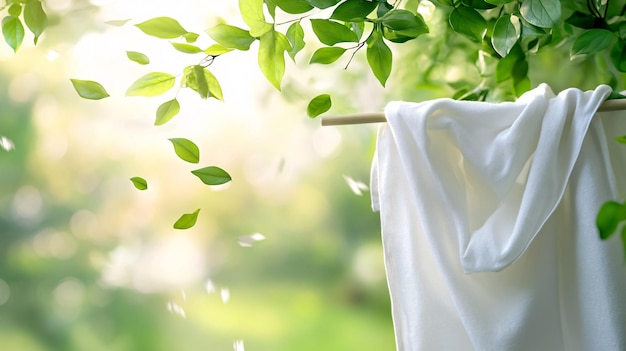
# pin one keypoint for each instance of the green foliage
(331, 32)
(212, 175)
(353, 10)
(13, 32)
(503, 36)
(202, 81)
(506, 33)
(591, 42)
(252, 14)
(609, 218)
(379, 57)
(292, 6)
(88, 89)
(186, 149)
(187, 220)
(319, 105)
(35, 18)
(166, 112)
(327, 55)
(139, 183)
(187, 48)
(295, 36)
(162, 27)
(621, 139)
(231, 37)
(272, 48)
(541, 13)
(402, 25)
(33, 15)
(468, 22)
(137, 57)
(152, 84)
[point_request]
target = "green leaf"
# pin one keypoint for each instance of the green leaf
(354, 10)
(252, 14)
(186, 48)
(323, 4)
(15, 10)
(327, 55)
(271, 57)
(138, 57)
(13, 32)
(216, 50)
(618, 55)
(520, 70)
(162, 27)
(504, 69)
(139, 183)
(293, 6)
(88, 89)
(479, 4)
(152, 84)
(187, 220)
(506, 32)
(202, 81)
(581, 20)
(166, 112)
(468, 22)
(402, 25)
(186, 149)
(621, 139)
(117, 23)
(331, 33)
(541, 13)
(379, 57)
(319, 105)
(611, 214)
(499, 2)
(191, 37)
(295, 36)
(521, 86)
(231, 37)
(591, 42)
(212, 175)
(35, 18)
(383, 8)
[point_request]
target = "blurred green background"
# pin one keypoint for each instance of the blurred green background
(87, 262)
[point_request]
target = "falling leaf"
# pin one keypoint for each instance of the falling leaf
(89, 89)
(248, 240)
(356, 186)
(212, 175)
(6, 144)
(139, 183)
(176, 309)
(117, 23)
(187, 220)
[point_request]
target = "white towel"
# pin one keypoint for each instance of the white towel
(488, 222)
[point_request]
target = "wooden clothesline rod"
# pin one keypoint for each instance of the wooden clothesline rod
(379, 117)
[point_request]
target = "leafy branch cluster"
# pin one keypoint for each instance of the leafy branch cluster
(506, 31)
(30, 12)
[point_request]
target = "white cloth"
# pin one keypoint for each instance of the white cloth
(488, 222)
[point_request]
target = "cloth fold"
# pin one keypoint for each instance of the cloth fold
(513, 188)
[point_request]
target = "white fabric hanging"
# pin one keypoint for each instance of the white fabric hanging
(488, 222)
